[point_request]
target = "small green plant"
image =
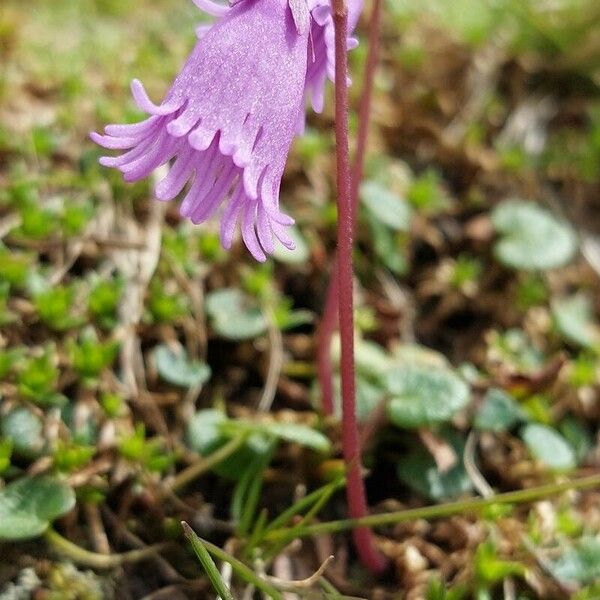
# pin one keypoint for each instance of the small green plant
(89, 356)
(150, 454)
(38, 378)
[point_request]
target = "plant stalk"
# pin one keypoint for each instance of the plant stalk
(355, 490)
(329, 321)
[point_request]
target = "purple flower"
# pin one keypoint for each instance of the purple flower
(321, 61)
(229, 118)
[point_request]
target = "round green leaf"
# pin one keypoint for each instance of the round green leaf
(498, 412)
(28, 506)
(178, 369)
(421, 396)
(419, 471)
(368, 397)
(531, 237)
(204, 429)
(548, 446)
(387, 207)
(233, 315)
(24, 429)
(299, 434)
(575, 321)
(580, 563)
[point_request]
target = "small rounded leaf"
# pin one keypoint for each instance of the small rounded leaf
(498, 412)
(386, 206)
(299, 434)
(531, 238)
(24, 429)
(421, 396)
(549, 447)
(234, 316)
(574, 318)
(29, 505)
(419, 471)
(178, 369)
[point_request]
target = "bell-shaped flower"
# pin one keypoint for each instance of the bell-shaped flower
(227, 122)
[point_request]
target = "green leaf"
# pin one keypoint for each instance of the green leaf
(531, 237)
(372, 360)
(299, 434)
(29, 505)
(39, 377)
(426, 194)
(386, 206)
(89, 356)
(14, 266)
(580, 563)
(70, 457)
(491, 569)
(391, 247)
(574, 320)
(368, 396)
(204, 429)
(150, 453)
(577, 435)
(422, 397)
(234, 316)
(24, 430)
(178, 369)
(55, 307)
(548, 446)
(498, 412)
(6, 448)
(165, 307)
(9, 358)
(206, 434)
(419, 471)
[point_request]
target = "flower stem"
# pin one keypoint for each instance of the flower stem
(328, 323)
(355, 491)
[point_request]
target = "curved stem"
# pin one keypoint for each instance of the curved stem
(355, 491)
(328, 323)
(202, 465)
(84, 557)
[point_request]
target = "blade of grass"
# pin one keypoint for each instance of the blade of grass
(305, 503)
(437, 511)
(207, 563)
(314, 510)
(247, 491)
(253, 496)
(257, 532)
(244, 572)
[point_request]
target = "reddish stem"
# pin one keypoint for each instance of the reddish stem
(328, 323)
(355, 490)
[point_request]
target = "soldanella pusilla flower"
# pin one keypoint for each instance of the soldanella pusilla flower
(226, 124)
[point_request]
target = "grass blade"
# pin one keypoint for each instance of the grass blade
(207, 563)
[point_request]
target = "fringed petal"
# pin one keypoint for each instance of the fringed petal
(227, 122)
(212, 8)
